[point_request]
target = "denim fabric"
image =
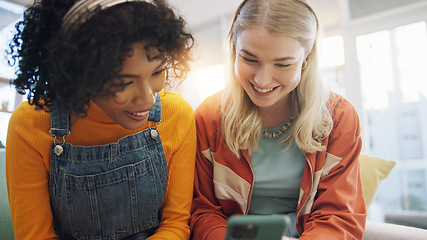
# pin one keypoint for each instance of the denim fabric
(112, 191)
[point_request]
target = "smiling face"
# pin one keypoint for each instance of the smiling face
(142, 80)
(268, 67)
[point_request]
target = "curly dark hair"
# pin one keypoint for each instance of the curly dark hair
(65, 69)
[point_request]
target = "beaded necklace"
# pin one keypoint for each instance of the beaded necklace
(280, 131)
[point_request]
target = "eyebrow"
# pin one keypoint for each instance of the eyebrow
(277, 59)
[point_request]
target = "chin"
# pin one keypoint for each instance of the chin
(262, 105)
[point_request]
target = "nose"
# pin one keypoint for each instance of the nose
(143, 94)
(263, 76)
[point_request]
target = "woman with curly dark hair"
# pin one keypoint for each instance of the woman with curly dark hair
(87, 155)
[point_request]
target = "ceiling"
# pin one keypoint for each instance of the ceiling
(197, 12)
(22, 2)
(7, 17)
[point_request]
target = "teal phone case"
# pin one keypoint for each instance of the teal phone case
(257, 227)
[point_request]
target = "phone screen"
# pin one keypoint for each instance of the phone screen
(257, 227)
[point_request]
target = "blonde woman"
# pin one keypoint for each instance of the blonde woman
(277, 140)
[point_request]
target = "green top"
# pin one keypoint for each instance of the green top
(278, 170)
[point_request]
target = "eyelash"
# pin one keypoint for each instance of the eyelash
(249, 60)
(125, 84)
(159, 72)
(283, 65)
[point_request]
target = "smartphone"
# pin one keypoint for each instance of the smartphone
(257, 227)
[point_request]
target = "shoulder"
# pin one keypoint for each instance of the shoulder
(177, 126)
(208, 122)
(30, 125)
(340, 107)
(28, 116)
(174, 105)
(176, 111)
(346, 125)
(210, 108)
(24, 109)
(173, 99)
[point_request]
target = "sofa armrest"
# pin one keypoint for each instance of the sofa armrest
(416, 219)
(389, 231)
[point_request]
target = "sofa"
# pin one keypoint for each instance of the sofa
(389, 231)
(373, 171)
(6, 230)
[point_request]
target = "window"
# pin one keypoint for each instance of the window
(394, 90)
(10, 14)
(332, 61)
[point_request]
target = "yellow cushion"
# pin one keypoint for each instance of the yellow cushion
(373, 171)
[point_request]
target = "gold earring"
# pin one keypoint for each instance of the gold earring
(305, 65)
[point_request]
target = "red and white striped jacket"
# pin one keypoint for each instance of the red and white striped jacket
(330, 205)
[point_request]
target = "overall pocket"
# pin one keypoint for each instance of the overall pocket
(113, 204)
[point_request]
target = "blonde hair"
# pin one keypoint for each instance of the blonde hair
(241, 120)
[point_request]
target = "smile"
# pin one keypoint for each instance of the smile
(139, 113)
(137, 116)
(263, 90)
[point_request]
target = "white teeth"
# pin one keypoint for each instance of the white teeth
(139, 113)
(263, 90)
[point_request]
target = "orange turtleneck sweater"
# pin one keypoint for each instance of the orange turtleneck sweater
(28, 164)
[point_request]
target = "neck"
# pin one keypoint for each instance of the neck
(275, 115)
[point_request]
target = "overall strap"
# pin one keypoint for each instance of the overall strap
(155, 112)
(60, 123)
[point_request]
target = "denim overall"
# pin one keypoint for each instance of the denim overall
(112, 191)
